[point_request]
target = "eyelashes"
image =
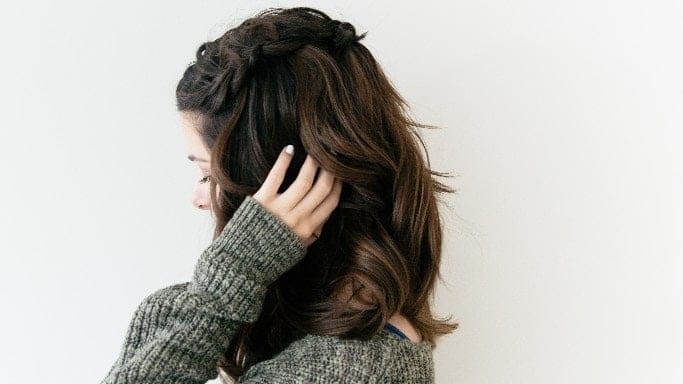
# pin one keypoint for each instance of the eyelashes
(204, 179)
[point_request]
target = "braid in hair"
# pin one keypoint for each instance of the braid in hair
(344, 34)
(224, 65)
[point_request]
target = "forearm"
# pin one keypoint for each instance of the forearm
(177, 334)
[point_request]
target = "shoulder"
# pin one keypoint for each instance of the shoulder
(331, 359)
(323, 359)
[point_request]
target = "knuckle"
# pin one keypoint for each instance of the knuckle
(306, 229)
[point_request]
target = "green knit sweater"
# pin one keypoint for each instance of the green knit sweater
(177, 333)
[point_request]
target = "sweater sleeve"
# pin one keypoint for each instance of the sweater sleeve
(177, 333)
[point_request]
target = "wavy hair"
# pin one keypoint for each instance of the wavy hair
(296, 76)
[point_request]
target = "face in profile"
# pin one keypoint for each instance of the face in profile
(200, 156)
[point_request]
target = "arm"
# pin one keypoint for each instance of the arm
(177, 333)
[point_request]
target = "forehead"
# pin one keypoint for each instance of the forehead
(195, 147)
(190, 121)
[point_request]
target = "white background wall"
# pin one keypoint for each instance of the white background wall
(561, 120)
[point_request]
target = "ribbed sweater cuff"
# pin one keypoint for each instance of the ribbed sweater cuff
(252, 251)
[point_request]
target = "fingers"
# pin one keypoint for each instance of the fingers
(323, 211)
(277, 172)
(323, 186)
(303, 182)
(307, 197)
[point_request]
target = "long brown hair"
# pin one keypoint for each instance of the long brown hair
(296, 76)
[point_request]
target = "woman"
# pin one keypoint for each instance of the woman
(325, 254)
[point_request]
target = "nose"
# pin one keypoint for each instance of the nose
(199, 204)
(200, 201)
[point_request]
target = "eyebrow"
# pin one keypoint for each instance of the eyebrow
(195, 158)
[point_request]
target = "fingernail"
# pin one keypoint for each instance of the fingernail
(289, 149)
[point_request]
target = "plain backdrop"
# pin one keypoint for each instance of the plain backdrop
(560, 121)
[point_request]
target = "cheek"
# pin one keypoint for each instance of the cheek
(201, 190)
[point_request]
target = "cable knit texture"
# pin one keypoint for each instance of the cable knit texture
(177, 333)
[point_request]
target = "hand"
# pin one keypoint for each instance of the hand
(304, 207)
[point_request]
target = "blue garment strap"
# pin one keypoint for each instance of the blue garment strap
(395, 330)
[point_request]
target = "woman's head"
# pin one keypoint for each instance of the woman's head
(296, 76)
(261, 69)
